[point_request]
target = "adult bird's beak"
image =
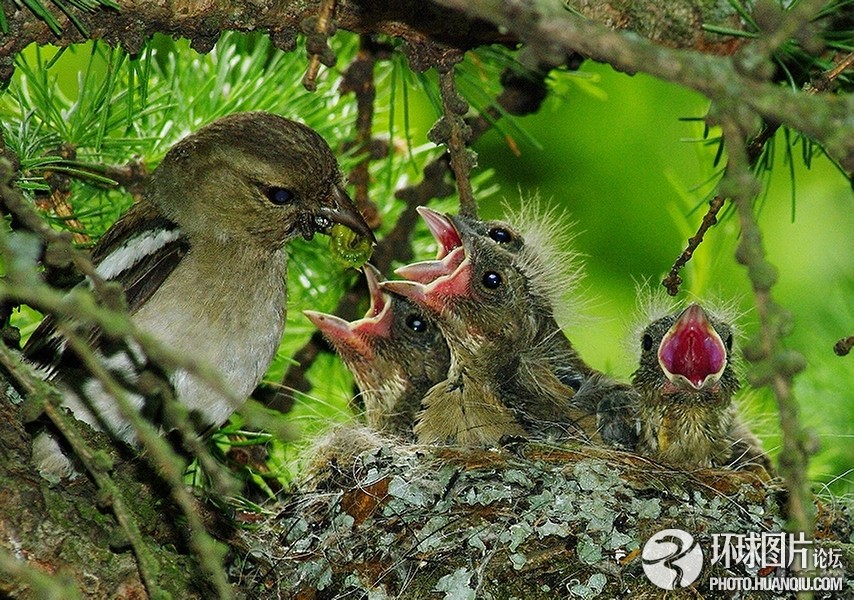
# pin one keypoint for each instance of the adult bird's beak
(342, 210)
(691, 351)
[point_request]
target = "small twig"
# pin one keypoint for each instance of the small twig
(823, 82)
(455, 132)
(318, 30)
(843, 346)
(781, 25)
(774, 365)
(359, 79)
(673, 280)
(754, 150)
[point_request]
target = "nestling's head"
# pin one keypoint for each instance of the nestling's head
(487, 283)
(395, 354)
(687, 357)
(269, 179)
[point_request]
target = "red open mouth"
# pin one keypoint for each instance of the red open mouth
(357, 336)
(435, 297)
(691, 351)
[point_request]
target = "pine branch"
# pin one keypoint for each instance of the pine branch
(828, 119)
(755, 148)
(774, 365)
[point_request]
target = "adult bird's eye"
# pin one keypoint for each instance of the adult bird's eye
(416, 323)
(647, 342)
(491, 280)
(280, 196)
(500, 235)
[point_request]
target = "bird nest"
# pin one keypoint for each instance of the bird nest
(528, 520)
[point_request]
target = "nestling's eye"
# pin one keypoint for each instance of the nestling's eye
(647, 342)
(728, 343)
(280, 196)
(500, 235)
(491, 280)
(416, 323)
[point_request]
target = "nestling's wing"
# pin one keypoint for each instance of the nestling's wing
(139, 251)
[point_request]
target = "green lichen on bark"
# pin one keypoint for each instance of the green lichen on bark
(529, 521)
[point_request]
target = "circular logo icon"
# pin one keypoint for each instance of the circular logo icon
(672, 559)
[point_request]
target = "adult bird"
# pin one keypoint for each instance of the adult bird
(202, 262)
(395, 352)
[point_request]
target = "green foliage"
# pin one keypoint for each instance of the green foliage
(41, 10)
(605, 147)
(108, 109)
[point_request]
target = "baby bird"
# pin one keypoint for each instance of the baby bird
(686, 382)
(495, 308)
(533, 250)
(534, 242)
(395, 354)
(202, 263)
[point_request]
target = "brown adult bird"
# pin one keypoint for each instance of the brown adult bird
(202, 262)
(686, 382)
(396, 354)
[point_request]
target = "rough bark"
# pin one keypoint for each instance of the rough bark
(70, 531)
(427, 27)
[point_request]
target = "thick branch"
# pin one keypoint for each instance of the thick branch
(679, 25)
(548, 30)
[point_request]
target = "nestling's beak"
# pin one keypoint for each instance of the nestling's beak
(357, 336)
(340, 334)
(691, 351)
(342, 210)
(442, 229)
(378, 299)
(427, 271)
(437, 296)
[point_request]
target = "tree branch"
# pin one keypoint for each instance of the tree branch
(774, 365)
(547, 30)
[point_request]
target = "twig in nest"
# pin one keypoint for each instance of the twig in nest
(843, 346)
(456, 133)
(673, 280)
(318, 30)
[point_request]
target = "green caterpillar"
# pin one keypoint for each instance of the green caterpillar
(348, 247)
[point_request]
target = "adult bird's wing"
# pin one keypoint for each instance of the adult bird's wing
(139, 252)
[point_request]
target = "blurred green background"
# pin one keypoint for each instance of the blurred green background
(624, 156)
